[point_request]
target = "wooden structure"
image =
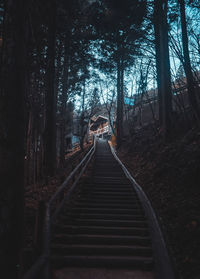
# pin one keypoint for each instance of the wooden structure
(99, 126)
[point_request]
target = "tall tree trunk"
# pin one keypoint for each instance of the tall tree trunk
(166, 74)
(50, 98)
(58, 70)
(187, 64)
(158, 56)
(82, 132)
(120, 98)
(58, 82)
(82, 120)
(12, 133)
(28, 146)
(64, 99)
(164, 67)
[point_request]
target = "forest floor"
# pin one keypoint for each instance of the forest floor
(169, 173)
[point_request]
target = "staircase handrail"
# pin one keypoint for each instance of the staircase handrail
(42, 263)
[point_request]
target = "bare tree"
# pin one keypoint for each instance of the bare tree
(108, 96)
(163, 64)
(187, 63)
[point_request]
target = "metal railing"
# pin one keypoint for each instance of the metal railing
(40, 269)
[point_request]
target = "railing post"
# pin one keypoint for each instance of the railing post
(46, 242)
(46, 273)
(61, 196)
(38, 233)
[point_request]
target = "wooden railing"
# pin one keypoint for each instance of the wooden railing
(40, 268)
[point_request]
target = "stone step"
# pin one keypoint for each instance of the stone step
(110, 180)
(106, 210)
(139, 217)
(97, 250)
(101, 239)
(104, 223)
(144, 263)
(94, 188)
(81, 229)
(116, 202)
(110, 194)
(132, 205)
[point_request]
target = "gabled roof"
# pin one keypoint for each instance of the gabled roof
(95, 119)
(95, 123)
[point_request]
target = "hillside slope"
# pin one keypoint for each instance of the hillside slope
(169, 173)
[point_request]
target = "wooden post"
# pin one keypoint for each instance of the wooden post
(61, 196)
(39, 223)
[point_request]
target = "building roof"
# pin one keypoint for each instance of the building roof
(99, 117)
(98, 121)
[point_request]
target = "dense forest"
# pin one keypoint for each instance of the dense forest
(64, 58)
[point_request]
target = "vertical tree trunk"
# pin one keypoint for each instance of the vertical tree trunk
(64, 100)
(118, 106)
(58, 82)
(166, 78)
(12, 132)
(28, 146)
(164, 67)
(82, 132)
(82, 118)
(120, 98)
(58, 69)
(158, 57)
(50, 98)
(187, 63)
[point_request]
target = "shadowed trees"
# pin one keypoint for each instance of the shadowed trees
(187, 63)
(120, 28)
(28, 100)
(46, 63)
(163, 65)
(12, 135)
(50, 94)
